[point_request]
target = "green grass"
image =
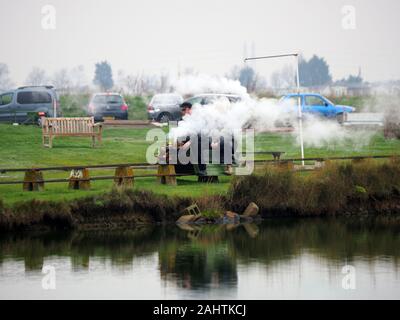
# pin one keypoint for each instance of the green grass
(21, 147)
(327, 191)
(74, 105)
(137, 107)
(286, 142)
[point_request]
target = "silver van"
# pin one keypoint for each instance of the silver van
(28, 104)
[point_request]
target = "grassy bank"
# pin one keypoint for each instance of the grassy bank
(21, 147)
(353, 188)
(339, 188)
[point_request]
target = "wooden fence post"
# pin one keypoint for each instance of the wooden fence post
(123, 177)
(33, 180)
(166, 169)
(79, 179)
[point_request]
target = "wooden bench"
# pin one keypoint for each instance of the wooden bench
(70, 127)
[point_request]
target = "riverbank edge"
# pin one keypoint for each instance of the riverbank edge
(127, 209)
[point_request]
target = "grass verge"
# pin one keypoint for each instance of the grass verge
(364, 187)
(339, 188)
(21, 147)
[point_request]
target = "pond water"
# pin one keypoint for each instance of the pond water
(277, 259)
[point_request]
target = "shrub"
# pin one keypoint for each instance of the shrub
(325, 191)
(34, 212)
(273, 189)
(212, 204)
(74, 105)
(127, 201)
(137, 107)
(392, 120)
(211, 214)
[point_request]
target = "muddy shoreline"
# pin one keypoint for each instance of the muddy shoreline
(93, 214)
(362, 188)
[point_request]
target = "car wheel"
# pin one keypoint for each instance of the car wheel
(164, 118)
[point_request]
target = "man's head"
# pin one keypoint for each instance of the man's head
(186, 108)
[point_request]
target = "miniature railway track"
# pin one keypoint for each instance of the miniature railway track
(142, 165)
(97, 178)
(322, 159)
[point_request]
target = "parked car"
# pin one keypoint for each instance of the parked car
(165, 107)
(208, 98)
(109, 105)
(317, 104)
(28, 104)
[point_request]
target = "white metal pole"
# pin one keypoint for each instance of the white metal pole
(300, 113)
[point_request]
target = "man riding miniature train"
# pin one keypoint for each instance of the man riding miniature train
(203, 155)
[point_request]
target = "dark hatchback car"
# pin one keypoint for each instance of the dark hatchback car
(28, 104)
(104, 106)
(165, 107)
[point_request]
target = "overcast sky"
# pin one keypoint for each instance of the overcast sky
(208, 35)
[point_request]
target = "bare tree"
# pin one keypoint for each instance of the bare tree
(131, 82)
(234, 73)
(288, 76)
(276, 80)
(142, 84)
(164, 82)
(36, 77)
(5, 81)
(283, 78)
(79, 81)
(248, 78)
(62, 81)
(128, 83)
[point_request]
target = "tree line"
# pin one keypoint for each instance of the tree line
(314, 72)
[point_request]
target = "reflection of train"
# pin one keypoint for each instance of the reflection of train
(213, 157)
(194, 266)
(208, 260)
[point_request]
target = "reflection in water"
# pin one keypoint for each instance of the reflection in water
(275, 259)
(205, 261)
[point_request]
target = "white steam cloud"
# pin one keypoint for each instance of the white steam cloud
(223, 117)
(196, 84)
(328, 133)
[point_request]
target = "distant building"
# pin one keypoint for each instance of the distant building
(386, 88)
(334, 91)
(358, 90)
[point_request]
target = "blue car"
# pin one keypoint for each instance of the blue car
(313, 103)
